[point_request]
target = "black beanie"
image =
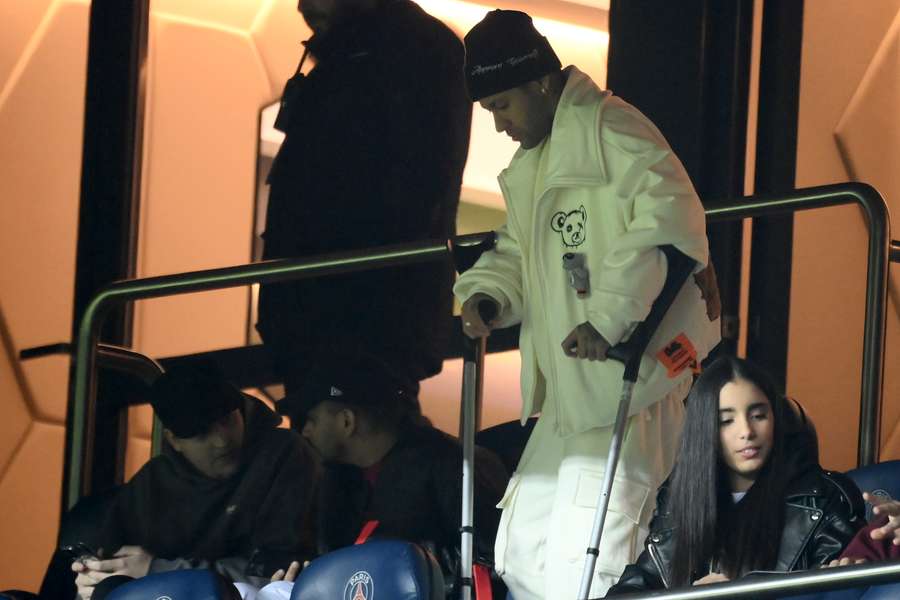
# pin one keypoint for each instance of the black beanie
(189, 400)
(504, 51)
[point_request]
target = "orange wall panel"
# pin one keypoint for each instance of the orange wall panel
(29, 502)
(829, 266)
(43, 51)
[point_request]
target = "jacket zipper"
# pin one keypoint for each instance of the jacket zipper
(550, 378)
(657, 561)
(542, 277)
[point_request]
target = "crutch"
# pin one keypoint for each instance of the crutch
(473, 380)
(679, 268)
(472, 385)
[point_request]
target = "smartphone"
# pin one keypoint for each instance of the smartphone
(79, 551)
(264, 563)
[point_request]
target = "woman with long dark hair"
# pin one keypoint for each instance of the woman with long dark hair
(746, 494)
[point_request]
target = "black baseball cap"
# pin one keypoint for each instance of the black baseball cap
(189, 400)
(361, 380)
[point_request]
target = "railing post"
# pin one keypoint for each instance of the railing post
(874, 328)
(83, 395)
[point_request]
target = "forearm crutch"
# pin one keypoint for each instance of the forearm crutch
(465, 254)
(679, 267)
(473, 384)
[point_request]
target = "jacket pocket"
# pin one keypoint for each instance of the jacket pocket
(622, 529)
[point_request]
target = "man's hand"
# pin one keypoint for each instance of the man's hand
(86, 579)
(290, 574)
(843, 562)
(711, 578)
(473, 325)
(132, 561)
(885, 507)
(709, 291)
(585, 342)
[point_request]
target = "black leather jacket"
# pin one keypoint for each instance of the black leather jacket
(823, 511)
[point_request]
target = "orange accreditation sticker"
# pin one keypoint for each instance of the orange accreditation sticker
(678, 355)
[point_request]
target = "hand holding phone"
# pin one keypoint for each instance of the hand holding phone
(79, 551)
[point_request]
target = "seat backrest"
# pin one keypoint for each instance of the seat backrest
(890, 591)
(392, 569)
(882, 479)
(189, 584)
(506, 440)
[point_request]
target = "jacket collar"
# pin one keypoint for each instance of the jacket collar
(575, 154)
(809, 483)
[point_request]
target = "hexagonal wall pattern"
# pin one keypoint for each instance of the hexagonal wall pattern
(868, 138)
(43, 54)
(41, 112)
(207, 82)
(829, 254)
(868, 133)
(16, 417)
(20, 22)
(279, 27)
(29, 503)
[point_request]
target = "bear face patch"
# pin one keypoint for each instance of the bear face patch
(570, 226)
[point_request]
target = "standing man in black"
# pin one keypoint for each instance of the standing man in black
(377, 137)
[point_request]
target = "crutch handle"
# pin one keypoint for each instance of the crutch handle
(468, 248)
(629, 352)
(487, 310)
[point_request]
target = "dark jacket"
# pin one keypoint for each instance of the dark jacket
(823, 511)
(416, 497)
(374, 152)
(255, 519)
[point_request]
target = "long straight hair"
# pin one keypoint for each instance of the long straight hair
(707, 523)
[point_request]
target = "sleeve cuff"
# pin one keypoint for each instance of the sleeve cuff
(612, 331)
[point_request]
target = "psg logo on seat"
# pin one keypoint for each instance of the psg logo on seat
(360, 587)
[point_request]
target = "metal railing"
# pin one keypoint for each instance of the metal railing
(82, 390)
(782, 585)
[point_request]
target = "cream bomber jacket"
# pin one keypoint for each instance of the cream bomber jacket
(613, 191)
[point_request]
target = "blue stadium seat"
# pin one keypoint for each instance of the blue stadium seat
(192, 584)
(889, 591)
(882, 479)
(392, 569)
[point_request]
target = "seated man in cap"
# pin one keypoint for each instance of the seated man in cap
(230, 491)
(591, 194)
(387, 466)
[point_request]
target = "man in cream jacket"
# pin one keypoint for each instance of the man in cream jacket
(591, 194)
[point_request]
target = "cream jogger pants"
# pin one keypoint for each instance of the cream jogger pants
(549, 504)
